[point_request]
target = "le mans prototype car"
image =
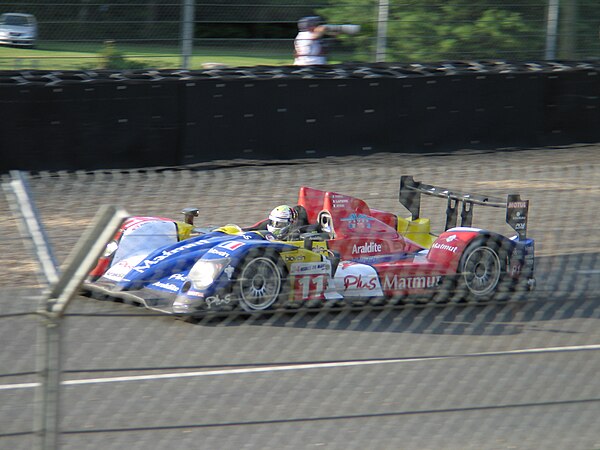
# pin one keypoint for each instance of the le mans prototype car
(345, 252)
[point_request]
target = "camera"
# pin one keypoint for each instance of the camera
(343, 29)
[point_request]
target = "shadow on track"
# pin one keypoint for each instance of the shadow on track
(454, 319)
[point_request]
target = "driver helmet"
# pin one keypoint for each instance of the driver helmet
(309, 22)
(281, 220)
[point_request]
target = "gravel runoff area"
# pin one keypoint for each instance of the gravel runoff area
(562, 184)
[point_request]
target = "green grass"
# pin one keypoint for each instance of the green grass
(76, 56)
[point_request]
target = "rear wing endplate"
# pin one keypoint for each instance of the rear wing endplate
(516, 208)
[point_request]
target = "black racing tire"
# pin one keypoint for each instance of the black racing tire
(260, 283)
(482, 271)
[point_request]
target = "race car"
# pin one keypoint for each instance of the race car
(345, 252)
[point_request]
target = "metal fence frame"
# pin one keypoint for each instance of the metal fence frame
(61, 288)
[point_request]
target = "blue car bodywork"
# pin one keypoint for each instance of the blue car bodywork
(200, 273)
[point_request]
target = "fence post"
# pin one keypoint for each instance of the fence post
(382, 22)
(187, 33)
(61, 290)
(551, 29)
(49, 367)
(46, 417)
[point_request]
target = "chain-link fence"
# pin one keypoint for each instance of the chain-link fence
(514, 374)
(138, 34)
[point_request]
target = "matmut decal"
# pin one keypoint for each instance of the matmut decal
(417, 282)
(147, 263)
(367, 247)
(449, 248)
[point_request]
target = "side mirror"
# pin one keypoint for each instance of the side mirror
(189, 214)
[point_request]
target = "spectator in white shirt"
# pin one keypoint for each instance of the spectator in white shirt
(308, 45)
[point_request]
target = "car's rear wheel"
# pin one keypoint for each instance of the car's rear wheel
(482, 270)
(260, 283)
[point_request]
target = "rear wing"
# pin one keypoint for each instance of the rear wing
(516, 208)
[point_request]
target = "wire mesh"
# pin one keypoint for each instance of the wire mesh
(518, 373)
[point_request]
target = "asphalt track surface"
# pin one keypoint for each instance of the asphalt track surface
(517, 375)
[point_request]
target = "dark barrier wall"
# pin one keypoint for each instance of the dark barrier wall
(118, 121)
(86, 126)
(299, 118)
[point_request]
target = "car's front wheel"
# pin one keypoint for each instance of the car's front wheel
(260, 283)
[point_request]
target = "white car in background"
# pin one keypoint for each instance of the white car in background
(18, 29)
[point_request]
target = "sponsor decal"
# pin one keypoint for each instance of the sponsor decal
(126, 264)
(132, 225)
(309, 267)
(313, 266)
(217, 300)
(177, 276)
(375, 259)
(367, 247)
(135, 223)
(418, 282)
(192, 293)
(358, 282)
(517, 204)
(339, 201)
(165, 254)
(519, 226)
(232, 245)
(294, 258)
(356, 219)
(118, 271)
(449, 248)
(214, 251)
(115, 276)
(167, 286)
(229, 271)
(346, 264)
(451, 238)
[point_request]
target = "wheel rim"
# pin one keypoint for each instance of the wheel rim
(481, 271)
(260, 283)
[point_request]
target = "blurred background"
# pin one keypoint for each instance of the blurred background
(128, 34)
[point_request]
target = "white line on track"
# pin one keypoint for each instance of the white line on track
(290, 367)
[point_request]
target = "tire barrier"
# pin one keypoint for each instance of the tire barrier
(111, 119)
